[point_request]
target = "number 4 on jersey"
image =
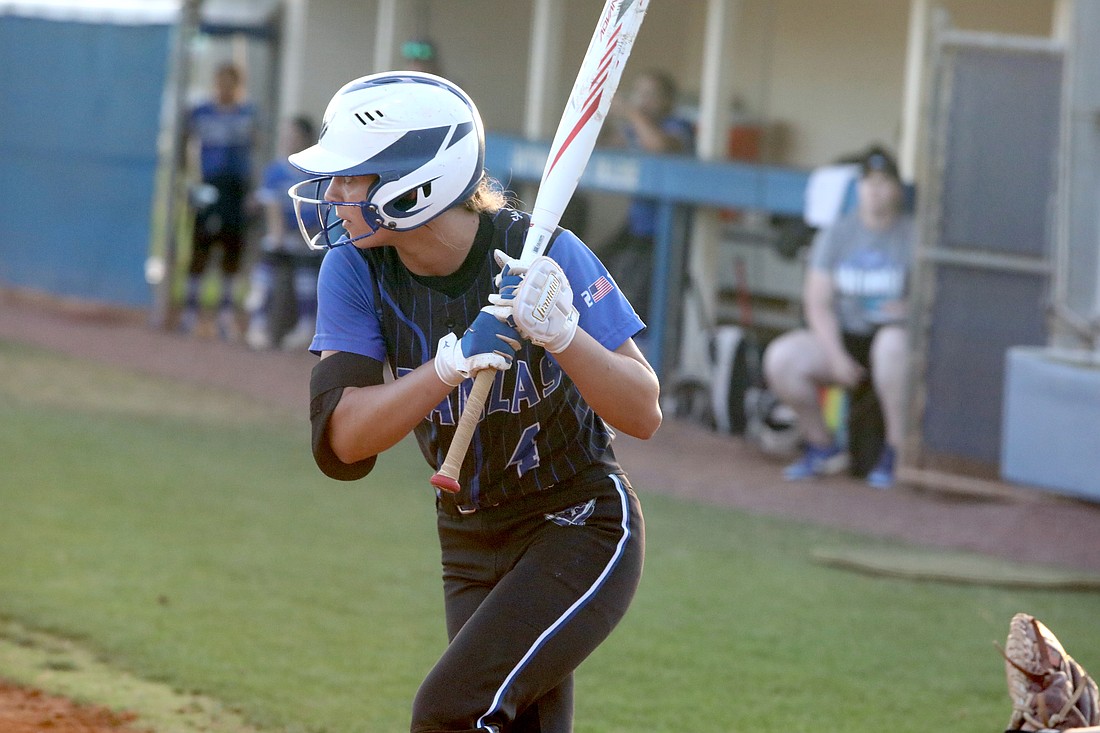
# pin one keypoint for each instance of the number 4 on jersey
(526, 455)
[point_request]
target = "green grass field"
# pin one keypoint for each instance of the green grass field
(184, 536)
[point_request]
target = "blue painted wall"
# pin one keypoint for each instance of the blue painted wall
(80, 115)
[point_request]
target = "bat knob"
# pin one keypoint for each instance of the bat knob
(445, 483)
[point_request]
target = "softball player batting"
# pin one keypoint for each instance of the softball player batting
(542, 547)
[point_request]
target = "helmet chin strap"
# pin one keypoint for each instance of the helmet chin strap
(323, 239)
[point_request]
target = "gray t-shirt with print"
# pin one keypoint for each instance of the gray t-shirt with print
(869, 269)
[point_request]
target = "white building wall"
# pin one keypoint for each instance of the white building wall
(335, 47)
(826, 76)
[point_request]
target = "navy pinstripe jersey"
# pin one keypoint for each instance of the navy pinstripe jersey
(538, 430)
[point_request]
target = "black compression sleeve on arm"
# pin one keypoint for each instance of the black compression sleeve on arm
(326, 386)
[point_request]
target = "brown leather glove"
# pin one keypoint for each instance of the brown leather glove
(1049, 690)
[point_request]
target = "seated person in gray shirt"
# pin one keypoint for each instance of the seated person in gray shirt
(854, 301)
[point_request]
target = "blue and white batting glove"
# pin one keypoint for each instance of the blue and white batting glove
(506, 282)
(489, 343)
(540, 299)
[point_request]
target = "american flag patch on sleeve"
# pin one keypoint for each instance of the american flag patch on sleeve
(600, 288)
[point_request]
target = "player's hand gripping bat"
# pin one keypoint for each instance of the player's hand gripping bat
(574, 140)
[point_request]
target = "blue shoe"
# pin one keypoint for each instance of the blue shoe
(189, 320)
(228, 330)
(882, 475)
(816, 461)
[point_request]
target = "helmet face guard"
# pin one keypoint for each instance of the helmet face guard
(419, 134)
(317, 219)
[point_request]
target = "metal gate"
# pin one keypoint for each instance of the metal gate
(982, 270)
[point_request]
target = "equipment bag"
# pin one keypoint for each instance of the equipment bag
(866, 429)
(735, 373)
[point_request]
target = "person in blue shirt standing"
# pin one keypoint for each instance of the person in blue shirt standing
(542, 546)
(282, 246)
(645, 120)
(222, 134)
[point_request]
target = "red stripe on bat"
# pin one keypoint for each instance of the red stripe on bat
(588, 112)
(594, 97)
(601, 71)
(611, 43)
(604, 73)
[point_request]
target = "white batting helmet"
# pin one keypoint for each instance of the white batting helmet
(419, 133)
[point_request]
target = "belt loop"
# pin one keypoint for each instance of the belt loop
(450, 506)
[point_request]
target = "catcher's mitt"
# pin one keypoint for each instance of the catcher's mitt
(1049, 690)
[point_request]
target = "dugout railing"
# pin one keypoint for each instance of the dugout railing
(680, 184)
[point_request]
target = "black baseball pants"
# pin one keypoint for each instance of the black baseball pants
(531, 589)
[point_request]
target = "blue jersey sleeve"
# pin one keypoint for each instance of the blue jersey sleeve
(347, 319)
(278, 177)
(271, 187)
(605, 313)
